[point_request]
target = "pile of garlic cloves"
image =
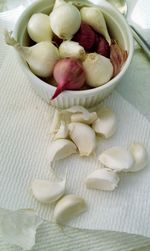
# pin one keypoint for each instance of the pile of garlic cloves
(75, 131)
(113, 161)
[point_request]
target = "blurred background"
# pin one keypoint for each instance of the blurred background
(6, 5)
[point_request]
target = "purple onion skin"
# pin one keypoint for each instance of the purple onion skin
(69, 74)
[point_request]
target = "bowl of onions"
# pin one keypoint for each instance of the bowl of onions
(73, 52)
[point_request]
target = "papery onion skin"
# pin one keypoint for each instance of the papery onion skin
(118, 56)
(69, 74)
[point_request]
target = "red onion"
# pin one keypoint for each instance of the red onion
(85, 36)
(96, 41)
(102, 46)
(69, 75)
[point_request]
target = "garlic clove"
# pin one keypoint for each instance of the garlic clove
(79, 109)
(62, 132)
(94, 17)
(60, 149)
(79, 117)
(117, 159)
(46, 191)
(81, 114)
(102, 179)
(68, 207)
(98, 69)
(71, 49)
(65, 20)
(55, 125)
(106, 124)
(139, 154)
(84, 138)
(66, 116)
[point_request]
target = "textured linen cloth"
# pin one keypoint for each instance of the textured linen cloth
(25, 121)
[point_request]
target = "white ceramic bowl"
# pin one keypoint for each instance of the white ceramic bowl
(119, 30)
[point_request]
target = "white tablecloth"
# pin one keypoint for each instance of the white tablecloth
(135, 88)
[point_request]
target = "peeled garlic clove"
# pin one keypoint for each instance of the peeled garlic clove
(60, 149)
(140, 157)
(117, 158)
(68, 207)
(79, 117)
(94, 17)
(81, 114)
(102, 179)
(79, 109)
(66, 116)
(84, 138)
(46, 191)
(62, 132)
(55, 122)
(71, 49)
(106, 124)
(98, 69)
